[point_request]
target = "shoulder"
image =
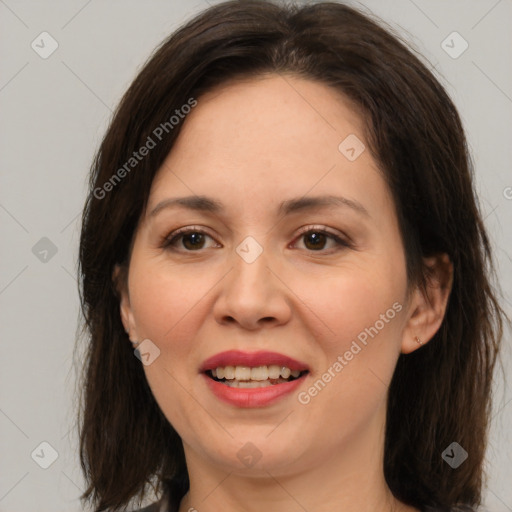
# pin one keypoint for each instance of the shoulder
(155, 507)
(460, 508)
(162, 505)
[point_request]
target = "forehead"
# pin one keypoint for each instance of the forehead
(267, 138)
(279, 111)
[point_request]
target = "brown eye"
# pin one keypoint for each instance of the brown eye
(316, 240)
(191, 240)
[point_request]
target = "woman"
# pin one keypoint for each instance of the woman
(282, 222)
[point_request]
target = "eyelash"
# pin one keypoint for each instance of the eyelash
(169, 242)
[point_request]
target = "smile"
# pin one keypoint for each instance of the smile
(257, 377)
(252, 379)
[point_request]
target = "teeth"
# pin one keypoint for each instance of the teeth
(257, 374)
(274, 371)
(285, 372)
(252, 384)
(229, 372)
(242, 373)
(236, 384)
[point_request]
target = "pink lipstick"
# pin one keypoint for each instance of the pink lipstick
(252, 379)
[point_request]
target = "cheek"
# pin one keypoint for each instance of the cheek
(353, 299)
(163, 300)
(356, 314)
(166, 305)
(357, 317)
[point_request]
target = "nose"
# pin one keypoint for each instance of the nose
(253, 295)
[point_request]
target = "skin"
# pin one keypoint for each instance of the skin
(252, 144)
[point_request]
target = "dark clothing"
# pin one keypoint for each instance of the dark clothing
(155, 507)
(162, 506)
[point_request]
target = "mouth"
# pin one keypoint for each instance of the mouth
(255, 377)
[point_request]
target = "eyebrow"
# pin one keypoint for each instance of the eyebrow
(208, 204)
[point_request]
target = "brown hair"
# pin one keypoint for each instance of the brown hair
(440, 393)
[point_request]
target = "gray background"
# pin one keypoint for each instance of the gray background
(54, 113)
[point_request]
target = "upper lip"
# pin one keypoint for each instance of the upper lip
(252, 359)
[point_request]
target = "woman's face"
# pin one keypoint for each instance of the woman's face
(271, 268)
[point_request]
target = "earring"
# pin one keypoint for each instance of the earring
(134, 343)
(418, 340)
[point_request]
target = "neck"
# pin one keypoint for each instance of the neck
(350, 478)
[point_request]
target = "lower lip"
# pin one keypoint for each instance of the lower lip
(252, 397)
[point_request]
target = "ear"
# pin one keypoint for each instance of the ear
(426, 311)
(120, 280)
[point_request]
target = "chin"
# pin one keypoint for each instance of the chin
(251, 451)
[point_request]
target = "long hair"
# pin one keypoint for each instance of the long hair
(439, 394)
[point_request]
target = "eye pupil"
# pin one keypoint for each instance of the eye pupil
(195, 238)
(314, 240)
(318, 240)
